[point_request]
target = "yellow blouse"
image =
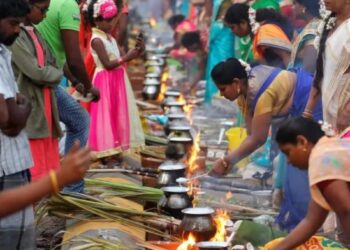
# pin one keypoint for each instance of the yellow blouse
(277, 98)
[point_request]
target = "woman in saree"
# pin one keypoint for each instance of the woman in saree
(304, 53)
(266, 96)
(328, 161)
(332, 80)
(271, 33)
(244, 45)
(221, 45)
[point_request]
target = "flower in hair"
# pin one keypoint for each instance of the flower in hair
(105, 9)
(327, 129)
(252, 20)
(86, 5)
(246, 66)
(324, 13)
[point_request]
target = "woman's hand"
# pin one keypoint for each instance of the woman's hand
(74, 166)
(221, 168)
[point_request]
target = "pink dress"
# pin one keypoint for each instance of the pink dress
(115, 122)
(45, 151)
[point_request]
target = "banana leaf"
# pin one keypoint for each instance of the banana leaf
(256, 234)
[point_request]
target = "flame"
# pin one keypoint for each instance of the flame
(163, 86)
(192, 165)
(188, 244)
(228, 195)
(152, 22)
(220, 221)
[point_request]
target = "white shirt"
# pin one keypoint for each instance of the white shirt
(15, 154)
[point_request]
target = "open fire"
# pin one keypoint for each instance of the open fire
(163, 86)
(188, 244)
(221, 218)
(192, 164)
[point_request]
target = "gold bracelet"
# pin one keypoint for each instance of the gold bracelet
(54, 182)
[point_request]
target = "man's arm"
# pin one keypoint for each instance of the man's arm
(75, 61)
(4, 117)
(18, 109)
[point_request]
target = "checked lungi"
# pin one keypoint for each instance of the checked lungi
(17, 231)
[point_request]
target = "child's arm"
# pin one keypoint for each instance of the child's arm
(73, 168)
(306, 229)
(337, 194)
(98, 46)
(27, 63)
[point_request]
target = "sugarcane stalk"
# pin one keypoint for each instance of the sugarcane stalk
(123, 186)
(233, 208)
(224, 188)
(117, 216)
(124, 171)
(229, 182)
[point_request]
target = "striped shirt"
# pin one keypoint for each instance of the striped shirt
(15, 154)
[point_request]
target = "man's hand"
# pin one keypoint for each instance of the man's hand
(95, 93)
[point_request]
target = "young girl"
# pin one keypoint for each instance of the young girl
(328, 162)
(37, 74)
(115, 119)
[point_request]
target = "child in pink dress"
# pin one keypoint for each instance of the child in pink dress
(115, 122)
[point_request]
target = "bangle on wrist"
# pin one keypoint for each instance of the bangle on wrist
(54, 182)
(121, 61)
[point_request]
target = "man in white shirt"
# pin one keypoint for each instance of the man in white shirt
(17, 230)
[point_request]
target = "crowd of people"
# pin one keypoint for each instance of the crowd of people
(286, 63)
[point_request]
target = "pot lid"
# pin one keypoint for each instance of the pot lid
(151, 81)
(198, 211)
(174, 103)
(213, 245)
(176, 115)
(152, 75)
(180, 139)
(171, 167)
(172, 93)
(179, 127)
(175, 189)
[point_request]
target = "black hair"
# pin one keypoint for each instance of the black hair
(319, 63)
(190, 38)
(90, 13)
(13, 8)
(239, 12)
(37, 1)
(119, 4)
(175, 20)
(312, 7)
(296, 126)
(224, 72)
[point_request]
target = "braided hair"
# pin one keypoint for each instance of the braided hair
(319, 63)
